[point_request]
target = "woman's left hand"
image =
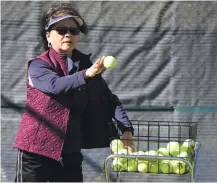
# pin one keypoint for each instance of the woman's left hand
(127, 139)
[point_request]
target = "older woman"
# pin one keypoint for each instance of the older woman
(68, 106)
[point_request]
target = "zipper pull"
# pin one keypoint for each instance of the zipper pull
(61, 161)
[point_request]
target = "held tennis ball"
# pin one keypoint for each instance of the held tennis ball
(109, 62)
(116, 145)
(166, 166)
(173, 148)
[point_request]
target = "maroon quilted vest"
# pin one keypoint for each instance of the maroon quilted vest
(44, 121)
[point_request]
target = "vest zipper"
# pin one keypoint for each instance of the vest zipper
(61, 161)
(67, 71)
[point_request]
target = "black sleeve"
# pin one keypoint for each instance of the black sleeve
(118, 112)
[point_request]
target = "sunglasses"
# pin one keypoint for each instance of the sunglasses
(64, 30)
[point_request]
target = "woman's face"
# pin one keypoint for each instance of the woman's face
(62, 41)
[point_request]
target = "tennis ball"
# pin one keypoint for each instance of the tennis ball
(116, 145)
(188, 147)
(131, 165)
(139, 153)
(166, 166)
(186, 155)
(152, 153)
(179, 167)
(183, 155)
(117, 165)
(153, 167)
(143, 166)
(124, 152)
(160, 160)
(190, 142)
(109, 62)
(163, 151)
(173, 148)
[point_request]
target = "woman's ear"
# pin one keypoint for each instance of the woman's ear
(48, 36)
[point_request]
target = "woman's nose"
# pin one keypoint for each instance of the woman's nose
(68, 34)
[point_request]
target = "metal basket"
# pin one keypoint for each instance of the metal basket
(152, 135)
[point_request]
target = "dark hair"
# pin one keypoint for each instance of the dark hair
(55, 11)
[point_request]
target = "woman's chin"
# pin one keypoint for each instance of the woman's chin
(67, 49)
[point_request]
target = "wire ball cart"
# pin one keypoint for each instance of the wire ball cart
(161, 147)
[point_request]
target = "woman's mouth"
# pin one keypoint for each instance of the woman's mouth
(68, 42)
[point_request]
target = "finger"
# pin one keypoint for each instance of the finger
(99, 68)
(103, 68)
(102, 60)
(130, 149)
(102, 63)
(100, 71)
(98, 61)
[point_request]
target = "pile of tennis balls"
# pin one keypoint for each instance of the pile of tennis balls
(146, 165)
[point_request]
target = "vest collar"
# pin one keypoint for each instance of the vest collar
(58, 56)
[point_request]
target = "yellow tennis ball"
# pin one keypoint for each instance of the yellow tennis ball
(117, 165)
(163, 151)
(152, 153)
(143, 166)
(139, 153)
(179, 167)
(109, 62)
(166, 166)
(153, 167)
(131, 165)
(116, 145)
(189, 142)
(188, 147)
(124, 151)
(174, 148)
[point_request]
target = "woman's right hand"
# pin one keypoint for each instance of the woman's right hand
(96, 68)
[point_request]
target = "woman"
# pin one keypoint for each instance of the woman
(68, 106)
